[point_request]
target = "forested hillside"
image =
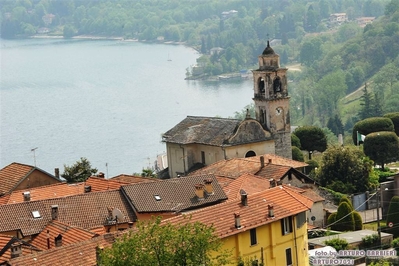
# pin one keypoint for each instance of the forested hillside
(335, 58)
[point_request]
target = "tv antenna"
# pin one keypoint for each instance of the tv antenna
(34, 154)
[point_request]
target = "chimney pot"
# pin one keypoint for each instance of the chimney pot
(270, 160)
(57, 172)
(26, 195)
(262, 161)
(237, 220)
(208, 186)
(130, 224)
(101, 175)
(244, 199)
(58, 240)
(271, 210)
(54, 212)
(199, 191)
(87, 189)
(16, 250)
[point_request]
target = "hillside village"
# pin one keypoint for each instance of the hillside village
(237, 175)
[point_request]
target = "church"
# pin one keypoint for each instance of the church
(199, 141)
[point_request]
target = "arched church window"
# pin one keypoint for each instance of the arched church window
(262, 85)
(250, 154)
(277, 85)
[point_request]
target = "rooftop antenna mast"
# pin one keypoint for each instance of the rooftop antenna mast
(34, 154)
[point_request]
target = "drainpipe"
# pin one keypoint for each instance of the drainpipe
(295, 243)
(184, 160)
(224, 153)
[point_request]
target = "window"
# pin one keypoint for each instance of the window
(300, 219)
(288, 256)
(286, 225)
(157, 197)
(203, 157)
(36, 214)
(252, 232)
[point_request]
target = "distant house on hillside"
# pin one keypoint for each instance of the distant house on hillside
(363, 21)
(338, 18)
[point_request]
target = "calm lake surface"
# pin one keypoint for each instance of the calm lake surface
(106, 100)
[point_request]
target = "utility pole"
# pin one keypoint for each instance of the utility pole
(378, 194)
(34, 154)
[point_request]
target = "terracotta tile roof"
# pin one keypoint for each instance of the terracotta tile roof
(87, 210)
(224, 181)
(47, 192)
(201, 130)
(81, 253)
(5, 247)
(235, 167)
(249, 183)
(308, 192)
(4, 199)
(69, 235)
(12, 174)
(133, 179)
(103, 184)
(175, 195)
(286, 202)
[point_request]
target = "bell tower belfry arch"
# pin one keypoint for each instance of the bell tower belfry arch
(272, 100)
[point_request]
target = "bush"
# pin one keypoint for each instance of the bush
(295, 142)
(331, 219)
(370, 125)
(395, 245)
(370, 241)
(358, 221)
(395, 120)
(337, 243)
(347, 200)
(393, 216)
(297, 154)
(345, 222)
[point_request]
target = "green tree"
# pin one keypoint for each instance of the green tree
(370, 125)
(312, 139)
(79, 171)
(382, 147)
(69, 31)
(160, 243)
(345, 170)
(393, 216)
(358, 221)
(344, 220)
(295, 141)
(366, 103)
(297, 154)
(395, 120)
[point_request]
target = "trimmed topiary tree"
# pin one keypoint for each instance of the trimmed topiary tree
(331, 219)
(395, 120)
(295, 142)
(347, 200)
(370, 125)
(382, 147)
(393, 216)
(358, 221)
(344, 221)
(297, 154)
(312, 139)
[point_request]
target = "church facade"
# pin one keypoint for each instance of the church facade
(199, 141)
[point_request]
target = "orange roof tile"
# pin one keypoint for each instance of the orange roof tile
(4, 199)
(12, 174)
(80, 253)
(55, 228)
(47, 192)
(286, 202)
(235, 167)
(103, 184)
(133, 179)
(249, 183)
(273, 171)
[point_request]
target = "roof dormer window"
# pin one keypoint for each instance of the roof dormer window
(36, 214)
(157, 197)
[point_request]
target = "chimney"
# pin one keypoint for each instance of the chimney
(244, 199)
(271, 210)
(272, 182)
(199, 191)
(208, 186)
(87, 189)
(237, 221)
(270, 160)
(101, 175)
(130, 224)
(54, 212)
(57, 172)
(48, 239)
(26, 195)
(262, 161)
(58, 240)
(16, 250)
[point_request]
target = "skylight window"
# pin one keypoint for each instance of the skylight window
(36, 214)
(157, 197)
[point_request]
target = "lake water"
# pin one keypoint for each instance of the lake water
(106, 100)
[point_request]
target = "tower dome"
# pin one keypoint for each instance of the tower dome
(268, 50)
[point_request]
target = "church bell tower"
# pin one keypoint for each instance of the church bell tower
(272, 100)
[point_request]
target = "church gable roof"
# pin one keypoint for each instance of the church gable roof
(216, 131)
(202, 130)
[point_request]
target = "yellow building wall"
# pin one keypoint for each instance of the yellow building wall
(274, 244)
(260, 148)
